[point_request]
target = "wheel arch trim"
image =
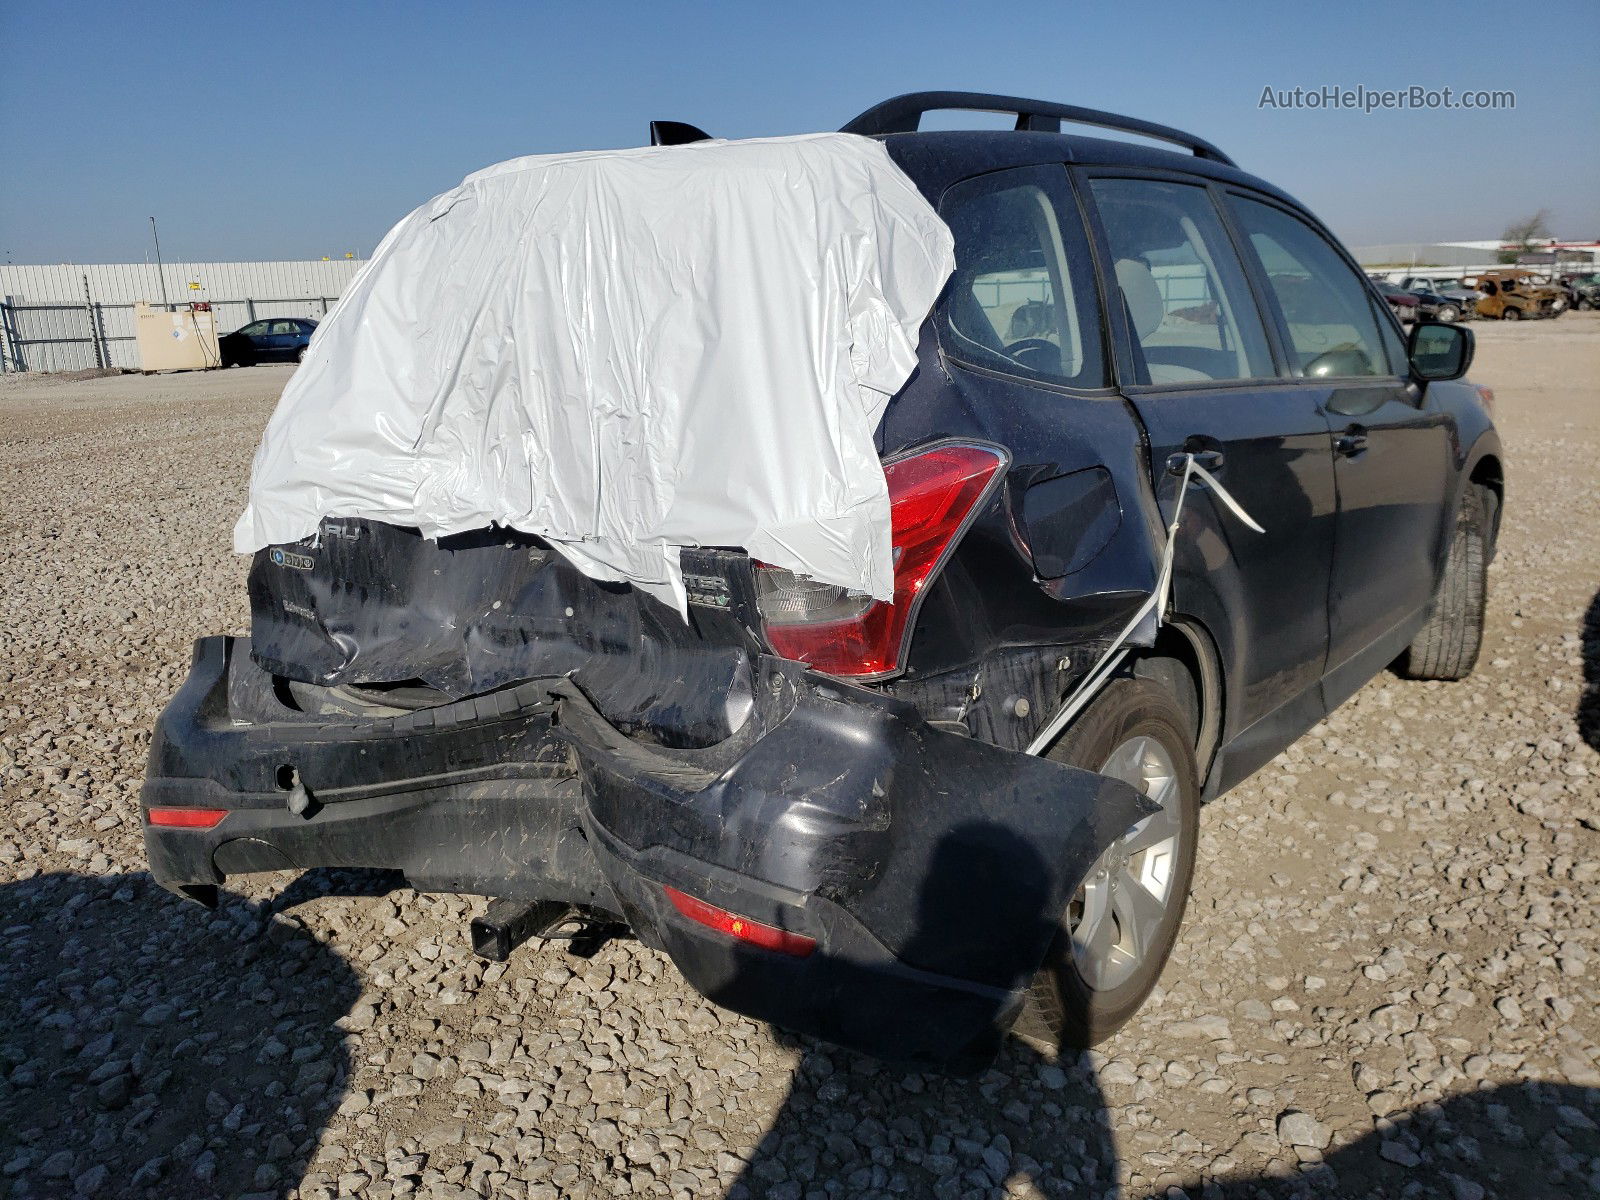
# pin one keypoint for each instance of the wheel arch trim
(1187, 641)
(1484, 466)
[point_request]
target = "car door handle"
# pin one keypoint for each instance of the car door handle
(1351, 442)
(1211, 460)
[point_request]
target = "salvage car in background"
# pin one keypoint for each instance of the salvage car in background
(1406, 306)
(1564, 285)
(1515, 295)
(879, 821)
(1459, 301)
(280, 339)
(1433, 307)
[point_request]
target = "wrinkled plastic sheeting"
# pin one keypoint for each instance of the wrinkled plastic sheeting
(624, 352)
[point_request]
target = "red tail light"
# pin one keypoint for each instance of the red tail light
(768, 937)
(188, 818)
(931, 497)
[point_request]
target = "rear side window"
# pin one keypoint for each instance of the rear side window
(1327, 306)
(1021, 300)
(1185, 293)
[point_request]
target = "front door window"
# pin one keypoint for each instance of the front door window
(1182, 287)
(1327, 307)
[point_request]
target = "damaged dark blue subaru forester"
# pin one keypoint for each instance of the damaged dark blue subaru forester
(911, 825)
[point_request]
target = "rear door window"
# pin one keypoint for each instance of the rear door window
(1021, 300)
(1326, 305)
(1186, 299)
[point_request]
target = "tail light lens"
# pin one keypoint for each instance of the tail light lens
(1487, 396)
(932, 495)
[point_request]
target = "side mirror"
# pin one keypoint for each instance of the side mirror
(1439, 351)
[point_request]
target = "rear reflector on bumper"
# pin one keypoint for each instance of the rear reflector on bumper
(768, 937)
(188, 818)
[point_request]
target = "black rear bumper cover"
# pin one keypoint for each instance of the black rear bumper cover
(929, 867)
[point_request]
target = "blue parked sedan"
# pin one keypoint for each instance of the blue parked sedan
(278, 339)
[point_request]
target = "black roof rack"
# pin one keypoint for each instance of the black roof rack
(904, 113)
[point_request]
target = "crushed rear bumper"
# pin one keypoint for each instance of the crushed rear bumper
(929, 868)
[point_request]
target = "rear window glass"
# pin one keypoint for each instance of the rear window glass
(1021, 300)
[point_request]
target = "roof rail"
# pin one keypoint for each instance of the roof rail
(904, 113)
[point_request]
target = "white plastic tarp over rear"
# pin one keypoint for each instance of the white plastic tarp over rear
(624, 352)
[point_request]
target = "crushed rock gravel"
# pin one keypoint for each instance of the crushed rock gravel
(1386, 984)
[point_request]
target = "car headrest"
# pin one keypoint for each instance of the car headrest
(1143, 296)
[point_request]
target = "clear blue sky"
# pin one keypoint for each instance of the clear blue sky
(298, 130)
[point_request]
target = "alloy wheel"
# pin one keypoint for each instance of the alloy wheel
(1116, 917)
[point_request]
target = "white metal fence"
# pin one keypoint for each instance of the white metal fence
(70, 317)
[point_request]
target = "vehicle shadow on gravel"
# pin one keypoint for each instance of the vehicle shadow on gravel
(1035, 1125)
(1589, 697)
(1517, 1141)
(857, 1126)
(147, 1048)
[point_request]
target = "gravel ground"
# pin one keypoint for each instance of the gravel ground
(1386, 984)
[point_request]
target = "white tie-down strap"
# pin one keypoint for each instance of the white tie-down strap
(1102, 670)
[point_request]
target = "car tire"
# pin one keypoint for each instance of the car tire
(1511, 314)
(1448, 313)
(1079, 998)
(300, 355)
(1447, 645)
(1585, 305)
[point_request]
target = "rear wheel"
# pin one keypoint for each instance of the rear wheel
(1448, 313)
(1120, 927)
(1511, 314)
(1447, 645)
